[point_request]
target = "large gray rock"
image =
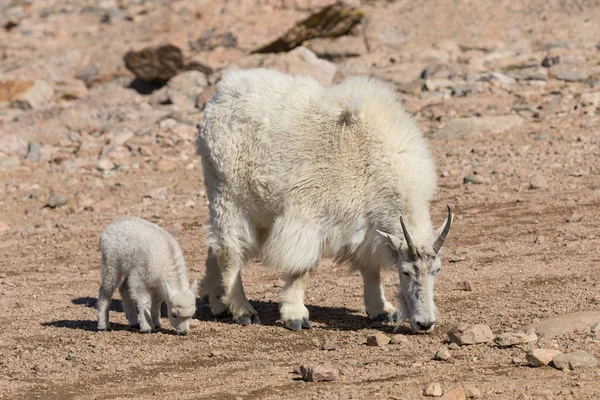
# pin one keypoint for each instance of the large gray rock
(574, 360)
(478, 126)
(555, 326)
(184, 88)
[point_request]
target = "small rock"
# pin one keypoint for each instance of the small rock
(34, 152)
(464, 285)
(104, 164)
(35, 96)
(590, 99)
(472, 392)
(378, 339)
(329, 345)
(70, 356)
(442, 354)
(542, 136)
(344, 46)
(434, 389)
(536, 181)
(572, 76)
(183, 89)
(279, 283)
(56, 200)
(463, 128)
(71, 89)
(103, 205)
(540, 239)
(475, 179)
(541, 357)
(509, 339)
(574, 360)
(318, 373)
(399, 339)
(575, 217)
(165, 166)
(4, 226)
(216, 353)
(550, 60)
(159, 63)
(454, 394)
(465, 334)
(190, 203)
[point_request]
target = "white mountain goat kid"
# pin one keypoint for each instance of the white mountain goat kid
(150, 264)
(295, 171)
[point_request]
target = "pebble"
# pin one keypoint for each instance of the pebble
(541, 357)
(465, 285)
(104, 164)
(472, 392)
(509, 339)
(318, 373)
(329, 345)
(537, 181)
(574, 360)
(442, 354)
(542, 136)
(575, 217)
(476, 179)
(434, 389)
(279, 283)
(572, 76)
(399, 339)
(34, 152)
(465, 334)
(56, 200)
(540, 239)
(378, 339)
(455, 394)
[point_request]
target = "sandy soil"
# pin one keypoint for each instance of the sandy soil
(514, 245)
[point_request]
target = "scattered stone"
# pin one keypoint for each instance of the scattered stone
(70, 89)
(442, 354)
(541, 357)
(454, 394)
(542, 136)
(29, 95)
(302, 61)
(378, 339)
(103, 205)
(216, 353)
(332, 49)
(574, 360)
(434, 389)
(475, 179)
(9, 163)
(331, 21)
(104, 164)
(165, 165)
(590, 99)
(466, 334)
(279, 283)
(464, 128)
(159, 63)
(537, 181)
(329, 345)
(399, 339)
(4, 226)
(464, 285)
(540, 239)
(550, 60)
(555, 326)
(572, 76)
(318, 373)
(433, 85)
(56, 200)
(497, 79)
(575, 217)
(472, 392)
(509, 339)
(184, 88)
(34, 152)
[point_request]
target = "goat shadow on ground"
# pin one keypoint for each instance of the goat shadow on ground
(331, 318)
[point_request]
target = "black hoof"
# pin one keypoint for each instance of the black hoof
(222, 315)
(134, 327)
(387, 317)
(296, 325)
(246, 320)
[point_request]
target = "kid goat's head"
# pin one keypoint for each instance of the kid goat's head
(418, 268)
(181, 306)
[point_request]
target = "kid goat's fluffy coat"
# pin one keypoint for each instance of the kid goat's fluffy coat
(150, 264)
(294, 171)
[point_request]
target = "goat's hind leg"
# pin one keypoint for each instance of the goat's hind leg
(128, 305)
(291, 307)
(110, 280)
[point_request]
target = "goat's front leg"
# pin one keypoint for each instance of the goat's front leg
(294, 313)
(377, 306)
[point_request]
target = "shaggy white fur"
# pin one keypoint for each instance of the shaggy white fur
(295, 171)
(150, 264)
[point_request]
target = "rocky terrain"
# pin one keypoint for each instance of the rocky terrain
(99, 107)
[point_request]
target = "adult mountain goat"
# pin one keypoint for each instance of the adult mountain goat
(295, 171)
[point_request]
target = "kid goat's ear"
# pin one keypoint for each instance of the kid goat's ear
(169, 290)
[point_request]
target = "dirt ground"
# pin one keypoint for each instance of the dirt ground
(528, 251)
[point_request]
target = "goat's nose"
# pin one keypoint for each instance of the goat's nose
(424, 325)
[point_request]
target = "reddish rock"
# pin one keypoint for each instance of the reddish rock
(378, 339)
(464, 334)
(455, 394)
(318, 373)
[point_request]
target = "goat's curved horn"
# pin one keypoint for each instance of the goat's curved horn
(442, 238)
(412, 250)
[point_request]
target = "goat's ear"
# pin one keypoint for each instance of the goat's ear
(194, 287)
(170, 292)
(393, 241)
